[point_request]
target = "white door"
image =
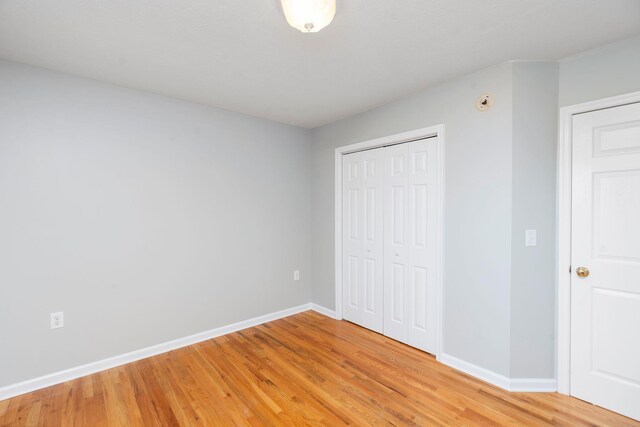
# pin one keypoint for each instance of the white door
(390, 223)
(605, 300)
(363, 239)
(410, 227)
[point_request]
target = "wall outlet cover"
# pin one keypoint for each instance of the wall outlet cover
(57, 320)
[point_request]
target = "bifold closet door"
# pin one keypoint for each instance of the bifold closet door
(389, 246)
(410, 226)
(362, 276)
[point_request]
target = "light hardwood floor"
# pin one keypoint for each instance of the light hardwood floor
(306, 369)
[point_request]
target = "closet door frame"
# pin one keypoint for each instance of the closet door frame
(437, 134)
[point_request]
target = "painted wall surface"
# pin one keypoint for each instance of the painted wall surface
(599, 73)
(478, 204)
(123, 208)
(532, 335)
(143, 218)
(511, 149)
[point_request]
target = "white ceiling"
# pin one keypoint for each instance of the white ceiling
(241, 55)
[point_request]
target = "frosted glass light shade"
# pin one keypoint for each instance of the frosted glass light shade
(309, 16)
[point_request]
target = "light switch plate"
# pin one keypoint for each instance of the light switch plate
(296, 275)
(531, 238)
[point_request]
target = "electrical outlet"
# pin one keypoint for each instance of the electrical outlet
(57, 320)
(296, 275)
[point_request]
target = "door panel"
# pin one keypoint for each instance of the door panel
(353, 198)
(353, 283)
(420, 216)
(397, 293)
(615, 201)
(605, 305)
(422, 182)
(397, 214)
(419, 297)
(363, 239)
(610, 331)
(370, 280)
(373, 243)
(410, 213)
(395, 248)
(352, 242)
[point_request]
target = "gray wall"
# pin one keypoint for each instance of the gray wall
(499, 296)
(477, 235)
(599, 73)
(142, 217)
(122, 208)
(500, 180)
(535, 105)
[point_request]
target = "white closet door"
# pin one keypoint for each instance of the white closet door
(373, 239)
(410, 226)
(352, 237)
(389, 241)
(363, 239)
(396, 251)
(422, 229)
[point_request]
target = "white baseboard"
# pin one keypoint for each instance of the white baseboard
(323, 310)
(506, 383)
(510, 384)
(111, 362)
(534, 384)
(475, 371)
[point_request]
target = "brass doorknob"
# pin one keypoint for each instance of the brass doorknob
(582, 271)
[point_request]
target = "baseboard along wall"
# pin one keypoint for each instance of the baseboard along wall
(323, 310)
(111, 362)
(498, 380)
(510, 384)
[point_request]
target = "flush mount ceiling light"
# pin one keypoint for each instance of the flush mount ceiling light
(309, 16)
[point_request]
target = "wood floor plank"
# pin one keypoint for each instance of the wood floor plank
(306, 369)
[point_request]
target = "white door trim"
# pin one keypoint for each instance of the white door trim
(436, 132)
(563, 219)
